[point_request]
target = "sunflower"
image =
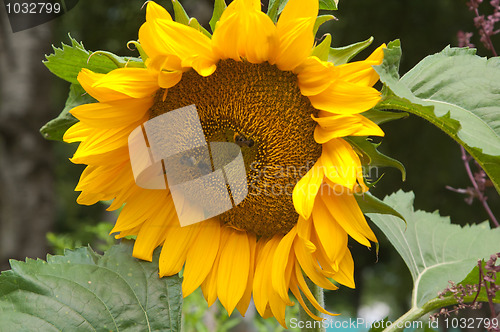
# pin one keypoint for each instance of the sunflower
(256, 83)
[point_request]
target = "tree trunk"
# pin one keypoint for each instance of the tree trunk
(27, 202)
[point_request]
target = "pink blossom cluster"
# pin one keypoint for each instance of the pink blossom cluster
(485, 25)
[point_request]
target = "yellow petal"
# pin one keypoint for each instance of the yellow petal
(296, 292)
(304, 228)
(167, 79)
(299, 278)
(142, 205)
(346, 212)
(201, 255)
(261, 282)
(306, 189)
(242, 306)
(315, 76)
(333, 238)
(345, 276)
(169, 38)
(155, 11)
(343, 97)
(112, 114)
(128, 82)
(295, 30)
(113, 157)
(77, 133)
(175, 248)
(98, 177)
(341, 125)
(245, 32)
(280, 262)
(152, 233)
(341, 164)
(232, 277)
(103, 141)
(310, 265)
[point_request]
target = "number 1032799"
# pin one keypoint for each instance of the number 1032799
(33, 7)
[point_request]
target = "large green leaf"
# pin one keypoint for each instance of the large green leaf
(434, 250)
(55, 128)
(67, 61)
(84, 291)
(457, 91)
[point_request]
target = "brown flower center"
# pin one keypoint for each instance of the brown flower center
(260, 108)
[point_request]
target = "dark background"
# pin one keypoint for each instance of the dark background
(37, 180)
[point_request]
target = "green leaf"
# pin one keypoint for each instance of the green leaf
(193, 23)
(55, 128)
(219, 7)
(434, 250)
(120, 61)
(372, 157)
(328, 4)
(320, 20)
(455, 90)
(321, 51)
(274, 8)
(380, 117)
(378, 326)
(84, 291)
(342, 55)
(180, 14)
(66, 62)
(371, 204)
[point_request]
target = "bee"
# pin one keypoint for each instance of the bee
(242, 141)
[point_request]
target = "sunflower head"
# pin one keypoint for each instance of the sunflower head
(258, 85)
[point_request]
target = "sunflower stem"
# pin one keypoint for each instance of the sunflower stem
(416, 312)
(310, 324)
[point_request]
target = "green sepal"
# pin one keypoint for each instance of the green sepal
(371, 204)
(193, 23)
(119, 61)
(370, 156)
(274, 8)
(383, 116)
(219, 7)
(66, 62)
(139, 48)
(328, 4)
(55, 128)
(180, 14)
(320, 20)
(321, 51)
(342, 55)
